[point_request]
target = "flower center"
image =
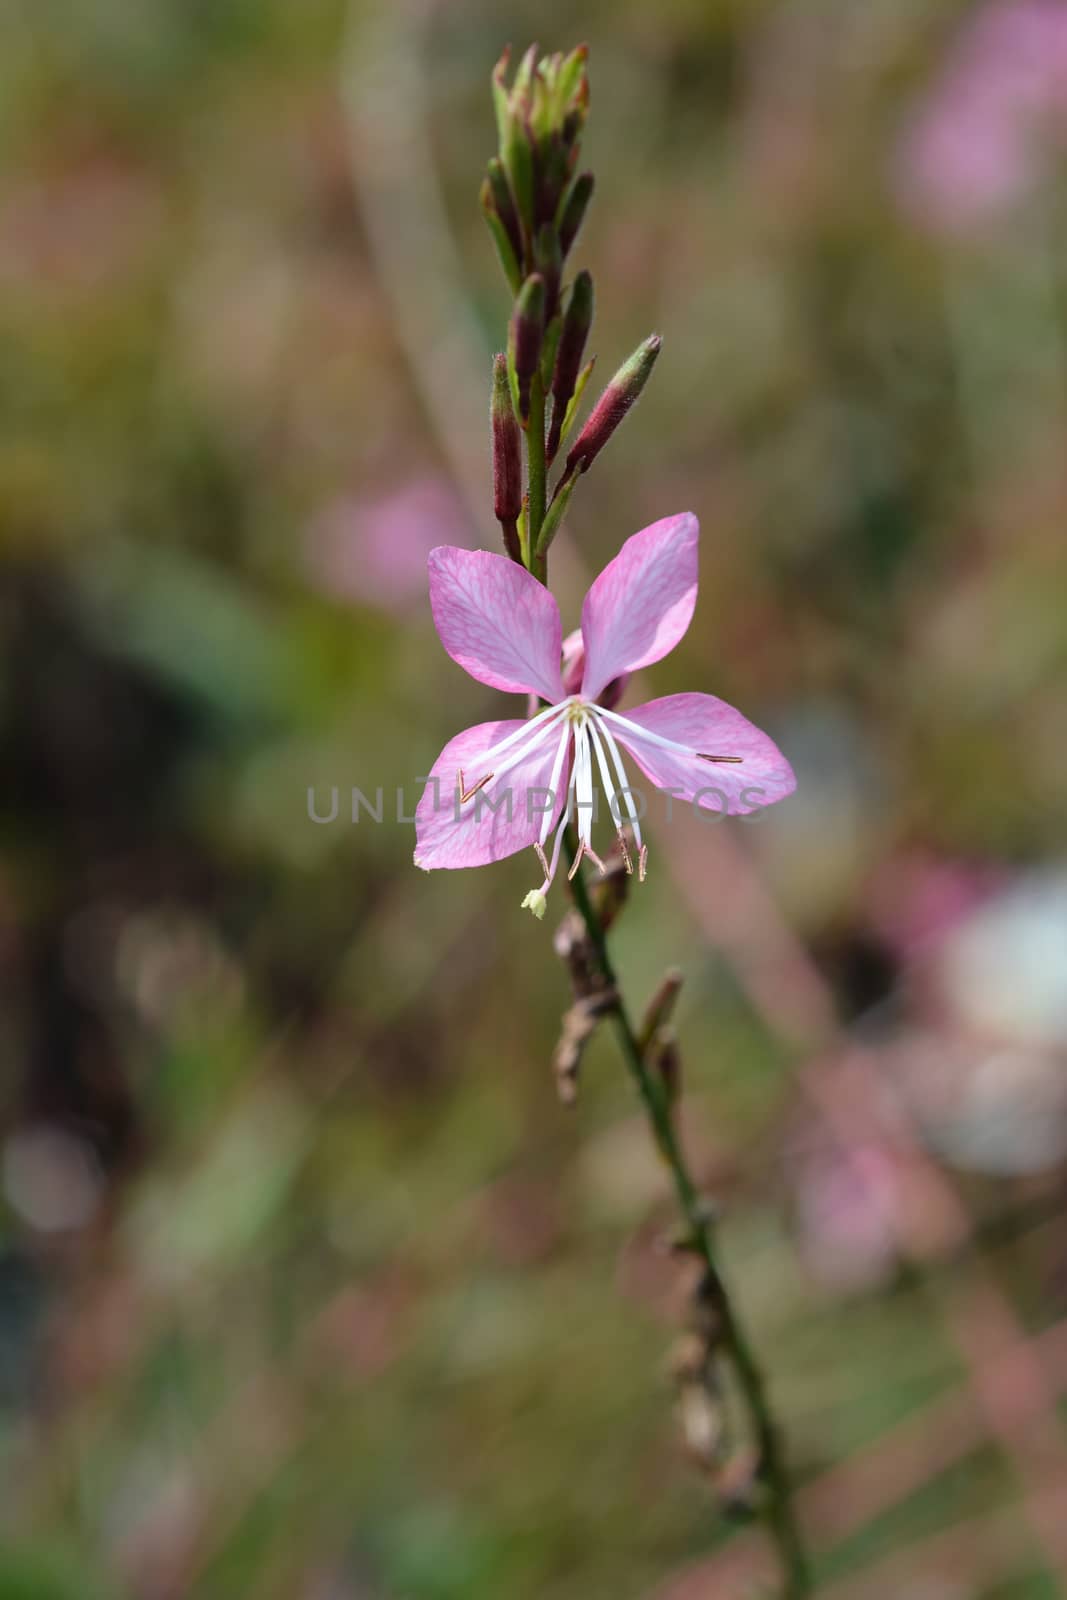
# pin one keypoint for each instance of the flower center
(588, 730)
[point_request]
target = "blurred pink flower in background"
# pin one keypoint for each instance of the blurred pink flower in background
(373, 549)
(979, 1058)
(847, 1216)
(917, 897)
(981, 139)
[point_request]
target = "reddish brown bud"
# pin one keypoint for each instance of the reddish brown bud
(614, 403)
(574, 209)
(526, 336)
(549, 264)
(504, 205)
(577, 320)
(507, 457)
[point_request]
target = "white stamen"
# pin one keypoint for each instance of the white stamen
(589, 727)
(609, 789)
(557, 768)
(638, 732)
(523, 732)
(624, 782)
(583, 783)
(521, 752)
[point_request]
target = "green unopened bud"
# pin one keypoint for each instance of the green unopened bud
(572, 84)
(617, 399)
(549, 263)
(504, 247)
(540, 118)
(573, 211)
(525, 337)
(522, 91)
(501, 98)
(514, 135)
(577, 320)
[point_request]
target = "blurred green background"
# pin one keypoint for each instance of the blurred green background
(308, 1286)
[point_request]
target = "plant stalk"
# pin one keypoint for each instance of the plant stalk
(771, 1469)
(772, 1473)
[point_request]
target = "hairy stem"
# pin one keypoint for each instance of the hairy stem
(773, 1476)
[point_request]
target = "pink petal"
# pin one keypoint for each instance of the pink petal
(703, 723)
(478, 835)
(642, 602)
(496, 620)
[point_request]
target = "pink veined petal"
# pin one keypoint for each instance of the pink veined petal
(708, 726)
(496, 620)
(474, 834)
(642, 602)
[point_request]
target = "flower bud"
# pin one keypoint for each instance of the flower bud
(572, 84)
(574, 208)
(504, 205)
(549, 263)
(614, 403)
(526, 335)
(577, 320)
(540, 118)
(507, 457)
(525, 80)
(504, 247)
(666, 1060)
(552, 170)
(513, 132)
(659, 1008)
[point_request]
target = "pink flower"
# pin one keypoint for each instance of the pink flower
(374, 550)
(981, 140)
(505, 786)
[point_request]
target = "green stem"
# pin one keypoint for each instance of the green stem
(796, 1584)
(537, 476)
(772, 1470)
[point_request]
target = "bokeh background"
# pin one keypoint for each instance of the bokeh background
(308, 1285)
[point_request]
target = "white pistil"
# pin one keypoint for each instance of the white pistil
(609, 789)
(525, 730)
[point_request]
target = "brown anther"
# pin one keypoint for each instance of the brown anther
(466, 794)
(576, 863)
(591, 853)
(731, 760)
(642, 863)
(543, 859)
(627, 863)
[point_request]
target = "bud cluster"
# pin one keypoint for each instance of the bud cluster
(535, 199)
